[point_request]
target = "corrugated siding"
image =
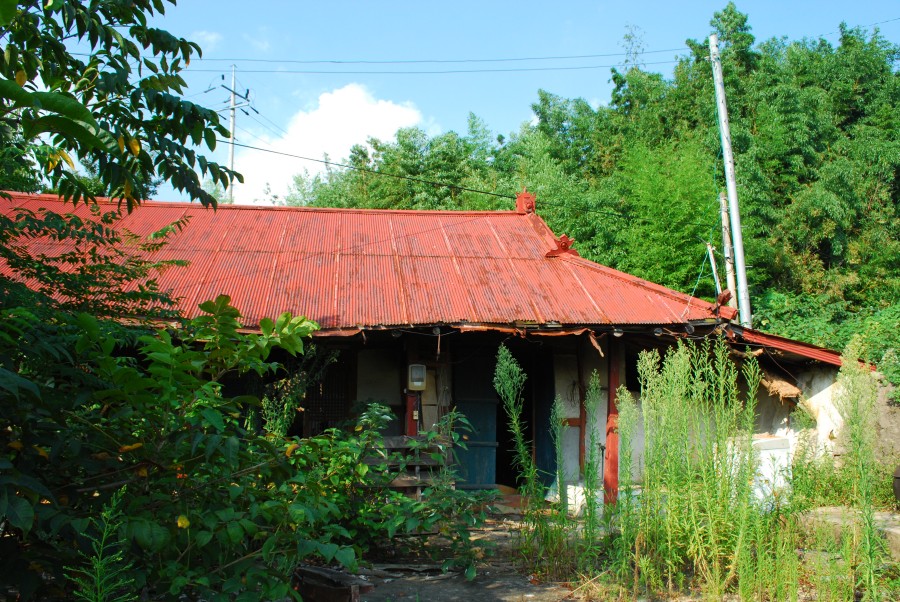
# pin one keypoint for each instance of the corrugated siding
(359, 268)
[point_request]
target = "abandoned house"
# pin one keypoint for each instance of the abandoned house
(418, 302)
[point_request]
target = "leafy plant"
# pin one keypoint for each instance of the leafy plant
(106, 577)
(113, 106)
(509, 381)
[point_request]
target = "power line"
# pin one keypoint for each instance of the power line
(830, 33)
(275, 124)
(267, 127)
(429, 72)
(577, 206)
(436, 61)
(372, 171)
(251, 134)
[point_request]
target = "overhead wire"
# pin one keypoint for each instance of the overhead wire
(372, 171)
(580, 207)
(429, 72)
(433, 61)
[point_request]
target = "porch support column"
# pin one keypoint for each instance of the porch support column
(611, 457)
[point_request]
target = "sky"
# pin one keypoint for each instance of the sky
(323, 76)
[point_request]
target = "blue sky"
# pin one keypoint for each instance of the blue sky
(343, 103)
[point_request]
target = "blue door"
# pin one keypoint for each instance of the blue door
(473, 393)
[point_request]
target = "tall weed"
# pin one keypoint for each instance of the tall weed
(509, 382)
(696, 516)
(592, 464)
(856, 404)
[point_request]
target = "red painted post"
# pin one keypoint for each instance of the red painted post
(611, 457)
(412, 413)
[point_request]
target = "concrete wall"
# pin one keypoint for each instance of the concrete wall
(820, 389)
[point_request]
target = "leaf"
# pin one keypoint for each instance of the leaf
(470, 572)
(268, 547)
(213, 417)
(7, 12)
(201, 538)
(19, 512)
(150, 536)
(13, 383)
(346, 556)
(15, 92)
(327, 550)
(235, 532)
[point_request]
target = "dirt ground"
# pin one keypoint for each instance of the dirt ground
(498, 578)
(495, 582)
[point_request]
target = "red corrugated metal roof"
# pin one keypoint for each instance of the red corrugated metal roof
(350, 269)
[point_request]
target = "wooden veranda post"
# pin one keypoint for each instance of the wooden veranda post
(611, 457)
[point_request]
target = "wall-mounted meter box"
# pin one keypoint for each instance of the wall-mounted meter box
(416, 381)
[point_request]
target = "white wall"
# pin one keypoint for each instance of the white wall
(565, 368)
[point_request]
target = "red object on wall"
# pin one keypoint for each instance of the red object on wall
(412, 413)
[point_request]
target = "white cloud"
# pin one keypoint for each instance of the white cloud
(208, 40)
(260, 41)
(340, 119)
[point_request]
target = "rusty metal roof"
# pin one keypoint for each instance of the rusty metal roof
(755, 338)
(351, 269)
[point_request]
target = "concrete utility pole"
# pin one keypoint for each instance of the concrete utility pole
(730, 185)
(727, 251)
(231, 140)
(232, 109)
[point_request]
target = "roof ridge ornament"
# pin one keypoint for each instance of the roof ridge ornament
(563, 247)
(525, 202)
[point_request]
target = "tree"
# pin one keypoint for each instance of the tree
(117, 108)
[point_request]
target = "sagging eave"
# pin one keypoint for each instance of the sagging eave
(770, 342)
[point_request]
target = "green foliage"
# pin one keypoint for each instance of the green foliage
(697, 517)
(85, 411)
(105, 578)
(212, 509)
(593, 466)
(509, 382)
(116, 109)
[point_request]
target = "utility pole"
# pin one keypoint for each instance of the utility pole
(730, 185)
(231, 140)
(727, 251)
(232, 109)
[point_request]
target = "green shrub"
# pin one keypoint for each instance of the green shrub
(212, 510)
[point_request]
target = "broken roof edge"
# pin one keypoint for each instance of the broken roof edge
(740, 334)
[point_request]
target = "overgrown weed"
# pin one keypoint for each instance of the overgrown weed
(698, 517)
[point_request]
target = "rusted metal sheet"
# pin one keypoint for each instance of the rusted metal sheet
(358, 269)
